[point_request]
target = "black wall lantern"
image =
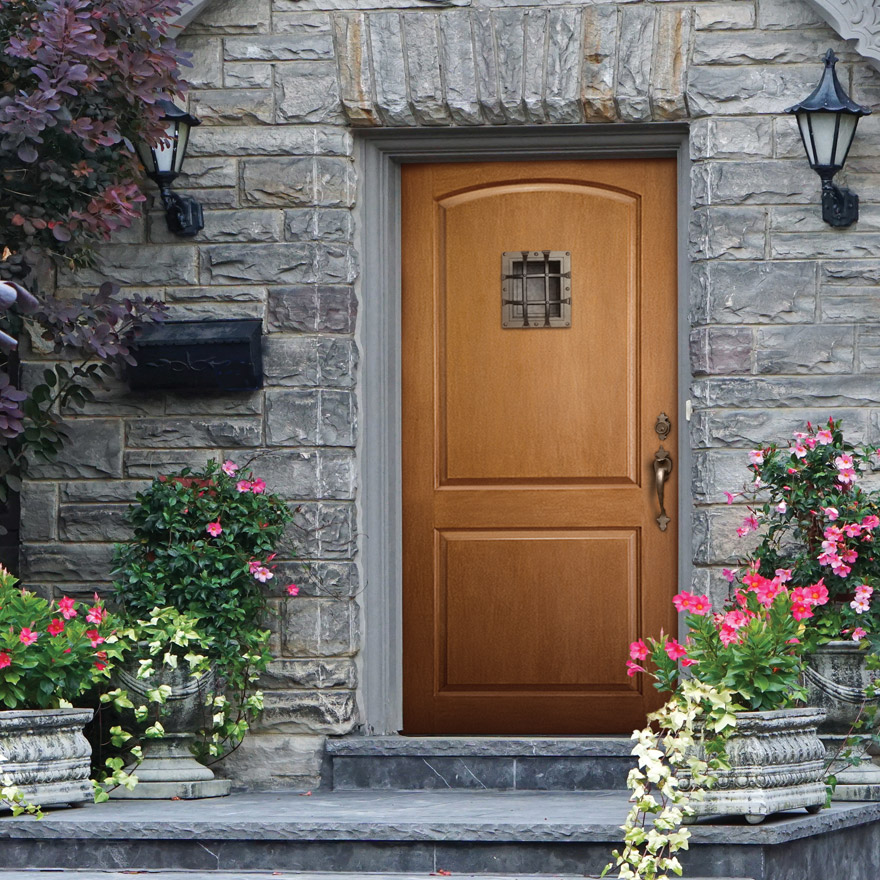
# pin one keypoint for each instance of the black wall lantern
(828, 121)
(164, 162)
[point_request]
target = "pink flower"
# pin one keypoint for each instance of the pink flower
(801, 611)
(870, 522)
(857, 635)
(262, 574)
(750, 524)
(96, 615)
(792, 641)
(632, 668)
(727, 634)
(683, 601)
(5, 660)
(687, 661)
(214, 529)
(292, 590)
(258, 487)
(728, 575)
(756, 456)
(730, 496)
(843, 462)
(846, 476)
(243, 486)
(860, 606)
(65, 606)
(831, 512)
(674, 650)
(816, 594)
(27, 636)
(639, 650)
(783, 575)
(254, 565)
(799, 450)
(782, 507)
(94, 637)
(824, 437)
(701, 606)
(852, 530)
(56, 627)
(735, 619)
(229, 468)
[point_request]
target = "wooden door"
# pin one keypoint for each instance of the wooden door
(532, 555)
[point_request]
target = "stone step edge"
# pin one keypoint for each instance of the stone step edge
(479, 747)
(147, 874)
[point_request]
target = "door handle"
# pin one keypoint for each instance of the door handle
(662, 470)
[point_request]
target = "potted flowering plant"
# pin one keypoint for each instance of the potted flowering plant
(819, 526)
(203, 546)
(51, 653)
(752, 650)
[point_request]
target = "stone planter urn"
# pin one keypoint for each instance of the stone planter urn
(169, 769)
(47, 754)
(776, 763)
(836, 677)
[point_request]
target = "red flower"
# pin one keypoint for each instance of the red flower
(94, 637)
(27, 636)
(56, 627)
(5, 660)
(65, 606)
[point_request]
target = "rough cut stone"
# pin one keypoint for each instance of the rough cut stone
(534, 84)
(290, 360)
(225, 17)
(150, 463)
(460, 69)
(246, 75)
(312, 673)
(488, 86)
(561, 98)
(92, 522)
(747, 90)
(268, 761)
(723, 16)
(355, 75)
(669, 72)
(804, 349)
(601, 32)
(63, 563)
(509, 26)
(189, 433)
(721, 350)
(750, 47)
(307, 91)
(93, 450)
(423, 69)
(326, 711)
(234, 106)
(39, 513)
(279, 181)
(728, 233)
(207, 67)
(101, 491)
(283, 263)
(634, 51)
(304, 38)
(389, 64)
(292, 417)
(320, 628)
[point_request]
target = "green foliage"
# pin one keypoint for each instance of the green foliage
(51, 652)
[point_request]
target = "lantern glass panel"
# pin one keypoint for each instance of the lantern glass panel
(182, 139)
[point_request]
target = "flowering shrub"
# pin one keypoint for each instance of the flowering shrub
(753, 647)
(204, 544)
(51, 652)
(819, 529)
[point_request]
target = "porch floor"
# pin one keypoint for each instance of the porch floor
(514, 833)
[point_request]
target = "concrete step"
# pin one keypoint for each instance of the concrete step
(406, 763)
(274, 875)
(512, 833)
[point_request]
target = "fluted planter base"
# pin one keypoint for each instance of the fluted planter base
(777, 763)
(855, 782)
(47, 755)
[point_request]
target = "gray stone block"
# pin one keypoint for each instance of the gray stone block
(459, 64)
(93, 450)
(150, 463)
(93, 522)
(634, 54)
(266, 761)
(292, 418)
(509, 30)
(63, 563)
(307, 91)
(136, 265)
(311, 674)
(355, 74)
(601, 32)
(773, 14)
(209, 172)
(869, 349)
(785, 246)
(101, 491)
(224, 17)
(389, 64)
(337, 362)
(239, 140)
(768, 182)
(674, 31)
(207, 67)
(190, 433)
(535, 30)
(337, 474)
(759, 292)
(721, 350)
(759, 89)
(793, 391)
(299, 38)
(39, 511)
(738, 15)
(326, 579)
(290, 360)
(335, 183)
(715, 539)
(300, 538)
(283, 181)
(308, 309)
(337, 419)
(728, 233)
(719, 138)
(320, 628)
(293, 474)
(336, 531)
(238, 226)
(422, 41)
(247, 75)
(804, 349)
(759, 46)
(234, 106)
(276, 263)
(716, 471)
(216, 294)
(325, 711)
(487, 67)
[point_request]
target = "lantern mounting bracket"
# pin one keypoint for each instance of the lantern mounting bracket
(183, 215)
(840, 206)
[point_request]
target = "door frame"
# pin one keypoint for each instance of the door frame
(379, 153)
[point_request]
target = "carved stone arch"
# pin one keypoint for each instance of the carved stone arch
(857, 20)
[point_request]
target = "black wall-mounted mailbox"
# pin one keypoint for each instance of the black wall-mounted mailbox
(198, 356)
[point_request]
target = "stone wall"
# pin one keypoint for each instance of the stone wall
(785, 311)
